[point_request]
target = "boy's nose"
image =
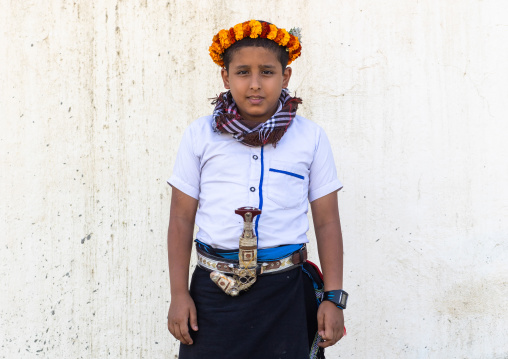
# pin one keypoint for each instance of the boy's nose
(255, 84)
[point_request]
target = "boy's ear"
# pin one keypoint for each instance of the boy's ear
(225, 78)
(286, 76)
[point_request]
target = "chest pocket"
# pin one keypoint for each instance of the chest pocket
(286, 183)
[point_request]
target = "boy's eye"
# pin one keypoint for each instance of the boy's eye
(267, 72)
(241, 72)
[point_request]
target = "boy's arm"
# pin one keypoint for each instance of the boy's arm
(180, 231)
(325, 213)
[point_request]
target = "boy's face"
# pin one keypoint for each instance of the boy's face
(256, 80)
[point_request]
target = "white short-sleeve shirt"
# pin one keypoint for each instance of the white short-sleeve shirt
(223, 175)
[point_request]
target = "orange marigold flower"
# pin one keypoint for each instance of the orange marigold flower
(279, 37)
(291, 42)
(296, 53)
(216, 48)
(265, 31)
(232, 38)
(246, 29)
(215, 56)
(273, 32)
(255, 28)
(293, 45)
(224, 39)
(238, 29)
(285, 38)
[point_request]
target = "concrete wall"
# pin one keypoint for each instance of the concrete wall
(95, 97)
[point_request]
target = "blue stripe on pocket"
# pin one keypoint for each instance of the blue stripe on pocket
(287, 173)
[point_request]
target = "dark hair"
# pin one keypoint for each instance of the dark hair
(279, 51)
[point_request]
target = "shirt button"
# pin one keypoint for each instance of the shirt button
(253, 189)
(255, 157)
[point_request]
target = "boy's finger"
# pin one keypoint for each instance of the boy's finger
(326, 343)
(328, 335)
(336, 335)
(176, 332)
(171, 329)
(193, 319)
(321, 324)
(184, 330)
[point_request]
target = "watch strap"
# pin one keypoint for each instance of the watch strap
(338, 297)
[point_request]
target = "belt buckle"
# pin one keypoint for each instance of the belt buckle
(302, 251)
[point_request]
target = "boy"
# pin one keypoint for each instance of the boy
(255, 151)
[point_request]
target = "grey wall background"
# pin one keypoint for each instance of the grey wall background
(94, 100)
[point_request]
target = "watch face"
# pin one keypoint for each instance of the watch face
(343, 299)
(339, 297)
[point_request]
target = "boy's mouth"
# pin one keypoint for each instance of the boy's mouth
(255, 100)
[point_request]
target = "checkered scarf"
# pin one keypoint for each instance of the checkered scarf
(227, 119)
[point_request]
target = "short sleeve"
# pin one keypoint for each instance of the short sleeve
(186, 173)
(323, 174)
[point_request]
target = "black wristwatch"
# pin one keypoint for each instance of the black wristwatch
(339, 297)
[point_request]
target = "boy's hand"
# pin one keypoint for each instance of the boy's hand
(330, 323)
(182, 311)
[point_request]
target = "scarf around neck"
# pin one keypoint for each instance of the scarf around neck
(227, 119)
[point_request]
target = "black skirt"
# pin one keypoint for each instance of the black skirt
(275, 319)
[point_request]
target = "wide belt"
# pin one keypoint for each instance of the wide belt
(212, 263)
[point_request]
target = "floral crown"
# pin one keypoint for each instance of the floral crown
(254, 29)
